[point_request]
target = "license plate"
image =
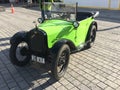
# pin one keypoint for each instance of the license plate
(38, 59)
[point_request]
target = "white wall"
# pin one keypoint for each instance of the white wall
(96, 3)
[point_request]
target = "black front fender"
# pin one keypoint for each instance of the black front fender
(58, 44)
(18, 36)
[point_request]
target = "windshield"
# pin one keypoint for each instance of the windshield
(59, 11)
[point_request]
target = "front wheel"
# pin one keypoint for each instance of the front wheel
(61, 61)
(19, 53)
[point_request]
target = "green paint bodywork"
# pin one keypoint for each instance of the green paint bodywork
(60, 29)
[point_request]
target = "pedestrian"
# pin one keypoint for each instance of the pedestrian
(46, 8)
(29, 2)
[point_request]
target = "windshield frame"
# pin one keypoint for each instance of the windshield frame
(59, 11)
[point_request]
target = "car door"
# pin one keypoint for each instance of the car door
(81, 31)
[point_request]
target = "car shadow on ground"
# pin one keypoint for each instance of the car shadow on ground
(34, 75)
(110, 28)
(2, 41)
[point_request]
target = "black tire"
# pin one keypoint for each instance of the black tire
(60, 57)
(91, 36)
(13, 50)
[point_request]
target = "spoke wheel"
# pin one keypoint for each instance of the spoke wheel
(91, 36)
(19, 52)
(60, 61)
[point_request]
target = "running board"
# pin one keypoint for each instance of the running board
(80, 48)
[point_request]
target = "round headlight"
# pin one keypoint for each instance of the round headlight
(76, 24)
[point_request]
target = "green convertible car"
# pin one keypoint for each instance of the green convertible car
(61, 31)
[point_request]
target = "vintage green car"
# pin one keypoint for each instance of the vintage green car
(52, 41)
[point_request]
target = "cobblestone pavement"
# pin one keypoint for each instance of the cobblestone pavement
(95, 69)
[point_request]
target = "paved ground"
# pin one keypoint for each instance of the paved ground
(95, 69)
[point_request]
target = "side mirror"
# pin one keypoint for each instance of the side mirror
(75, 24)
(40, 20)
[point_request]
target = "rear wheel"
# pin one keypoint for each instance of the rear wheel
(60, 62)
(91, 36)
(19, 53)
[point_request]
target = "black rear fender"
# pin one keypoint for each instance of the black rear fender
(94, 23)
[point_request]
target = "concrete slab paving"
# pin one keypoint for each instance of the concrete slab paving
(94, 69)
